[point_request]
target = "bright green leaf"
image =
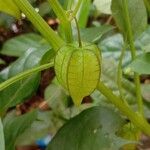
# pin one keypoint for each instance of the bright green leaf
(2, 142)
(9, 7)
(94, 128)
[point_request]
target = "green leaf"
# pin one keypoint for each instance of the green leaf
(94, 34)
(2, 142)
(94, 128)
(103, 6)
(17, 46)
(21, 90)
(142, 41)
(9, 7)
(14, 127)
(4, 74)
(84, 13)
(141, 64)
(137, 16)
(111, 47)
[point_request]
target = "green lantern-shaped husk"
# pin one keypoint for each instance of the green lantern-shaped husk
(78, 69)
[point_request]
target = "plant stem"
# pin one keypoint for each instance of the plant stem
(133, 54)
(57, 8)
(78, 5)
(119, 71)
(24, 75)
(136, 118)
(64, 19)
(55, 41)
(68, 4)
(78, 29)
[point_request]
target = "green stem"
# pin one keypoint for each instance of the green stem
(78, 5)
(68, 4)
(57, 8)
(79, 36)
(133, 54)
(64, 19)
(136, 118)
(40, 24)
(24, 74)
(119, 72)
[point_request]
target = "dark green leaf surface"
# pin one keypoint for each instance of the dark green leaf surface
(93, 129)
(141, 64)
(14, 127)
(17, 46)
(137, 16)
